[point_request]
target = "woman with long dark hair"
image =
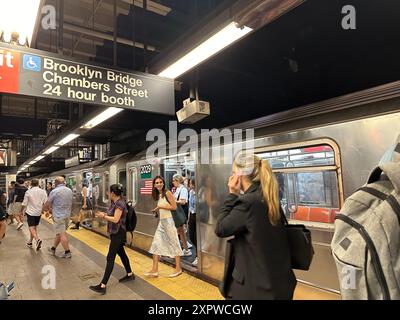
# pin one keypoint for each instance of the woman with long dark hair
(116, 218)
(260, 267)
(165, 242)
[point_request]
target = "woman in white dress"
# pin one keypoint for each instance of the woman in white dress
(165, 242)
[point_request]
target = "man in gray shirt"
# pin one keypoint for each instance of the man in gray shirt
(59, 203)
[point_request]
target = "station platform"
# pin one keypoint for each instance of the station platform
(24, 266)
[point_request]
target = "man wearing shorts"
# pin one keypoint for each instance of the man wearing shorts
(19, 194)
(60, 203)
(34, 200)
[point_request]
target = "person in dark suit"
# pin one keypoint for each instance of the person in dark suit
(259, 266)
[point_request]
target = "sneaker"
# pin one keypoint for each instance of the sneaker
(187, 253)
(151, 274)
(127, 278)
(189, 245)
(195, 262)
(51, 251)
(98, 289)
(175, 274)
(38, 244)
(29, 245)
(67, 255)
(19, 226)
(75, 227)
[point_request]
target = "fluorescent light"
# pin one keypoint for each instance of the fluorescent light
(176, 155)
(51, 150)
(39, 158)
(107, 114)
(19, 16)
(208, 48)
(67, 139)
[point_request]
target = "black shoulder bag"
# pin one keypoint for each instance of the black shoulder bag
(301, 249)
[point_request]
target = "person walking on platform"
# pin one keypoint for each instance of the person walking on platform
(165, 242)
(49, 187)
(116, 228)
(34, 200)
(255, 221)
(19, 193)
(59, 203)
(3, 216)
(86, 206)
(10, 200)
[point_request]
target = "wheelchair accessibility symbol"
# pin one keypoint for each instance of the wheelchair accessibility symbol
(32, 63)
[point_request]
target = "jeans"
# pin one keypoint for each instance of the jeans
(116, 247)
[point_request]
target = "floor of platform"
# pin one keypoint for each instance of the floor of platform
(24, 266)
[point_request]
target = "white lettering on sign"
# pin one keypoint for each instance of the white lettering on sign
(79, 70)
(121, 101)
(6, 58)
(145, 169)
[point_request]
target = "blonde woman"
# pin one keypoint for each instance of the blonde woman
(254, 219)
(181, 195)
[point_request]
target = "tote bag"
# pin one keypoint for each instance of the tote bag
(301, 249)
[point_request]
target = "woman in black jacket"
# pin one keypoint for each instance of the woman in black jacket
(260, 267)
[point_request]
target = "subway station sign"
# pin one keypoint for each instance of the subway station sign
(40, 74)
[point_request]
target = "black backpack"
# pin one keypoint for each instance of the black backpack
(131, 218)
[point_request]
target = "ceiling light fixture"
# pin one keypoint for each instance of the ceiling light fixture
(39, 158)
(51, 150)
(19, 16)
(208, 48)
(105, 115)
(68, 138)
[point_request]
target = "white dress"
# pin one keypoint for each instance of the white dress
(166, 241)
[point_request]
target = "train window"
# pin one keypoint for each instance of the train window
(133, 184)
(71, 183)
(106, 185)
(122, 178)
(322, 155)
(308, 178)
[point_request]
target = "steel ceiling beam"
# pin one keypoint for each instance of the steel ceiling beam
(252, 13)
(101, 35)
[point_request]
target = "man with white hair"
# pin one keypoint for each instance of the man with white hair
(60, 203)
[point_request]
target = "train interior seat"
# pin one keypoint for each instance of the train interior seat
(302, 213)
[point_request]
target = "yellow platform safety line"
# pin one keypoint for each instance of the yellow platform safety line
(184, 287)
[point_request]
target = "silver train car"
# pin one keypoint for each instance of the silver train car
(321, 154)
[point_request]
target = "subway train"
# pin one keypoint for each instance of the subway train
(321, 153)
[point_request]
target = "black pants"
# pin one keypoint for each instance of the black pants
(192, 229)
(116, 247)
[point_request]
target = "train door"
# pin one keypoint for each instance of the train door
(184, 166)
(310, 191)
(139, 180)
